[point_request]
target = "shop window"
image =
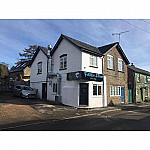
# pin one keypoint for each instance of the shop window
(138, 77)
(63, 62)
(120, 65)
(54, 87)
(39, 68)
(115, 90)
(110, 62)
(137, 91)
(93, 61)
(97, 90)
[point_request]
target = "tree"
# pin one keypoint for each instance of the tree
(27, 53)
(3, 70)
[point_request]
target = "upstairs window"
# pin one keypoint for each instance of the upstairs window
(110, 62)
(39, 68)
(138, 77)
(63, 62)
(93, 61)
(120, 65)
(145, 78)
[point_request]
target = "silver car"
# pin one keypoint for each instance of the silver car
(24, 91)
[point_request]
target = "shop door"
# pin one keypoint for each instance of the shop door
(83, 98)
(141, 91)
(44, 91)
(122, 94)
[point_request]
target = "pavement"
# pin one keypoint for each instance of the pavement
(37, 115)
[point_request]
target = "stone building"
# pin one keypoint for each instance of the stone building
(138, 84)
(115, 69)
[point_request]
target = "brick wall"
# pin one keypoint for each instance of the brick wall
(114, 77)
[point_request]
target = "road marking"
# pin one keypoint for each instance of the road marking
(93, 114)
(22, 125)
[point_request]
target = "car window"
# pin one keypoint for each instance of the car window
(27, 88)
(18, 87)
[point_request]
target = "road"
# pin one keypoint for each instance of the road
(124, 119)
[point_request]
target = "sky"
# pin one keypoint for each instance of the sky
(15, 35)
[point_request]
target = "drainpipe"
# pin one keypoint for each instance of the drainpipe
(50, 74)
(103, 80)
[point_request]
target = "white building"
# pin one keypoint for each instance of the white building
(38, 78)
(74, 76)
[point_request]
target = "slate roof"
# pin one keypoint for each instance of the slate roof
(81, 45)
(106, 48)
(139, 70)
(21, 66)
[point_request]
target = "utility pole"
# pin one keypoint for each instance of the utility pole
(119, 34)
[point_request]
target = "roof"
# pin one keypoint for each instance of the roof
(106, 48)
(139, 70)
(43, 49)
(80, 45)
(21, 66)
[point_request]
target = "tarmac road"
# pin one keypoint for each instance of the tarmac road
(124, 119)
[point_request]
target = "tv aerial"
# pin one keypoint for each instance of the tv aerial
(119, 34)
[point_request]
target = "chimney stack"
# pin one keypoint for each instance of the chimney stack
(132, 65)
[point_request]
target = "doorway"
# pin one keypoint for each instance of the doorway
(44, 91)
(83, 95)
(122, 95)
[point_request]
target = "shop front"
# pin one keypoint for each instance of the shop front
(90, 88)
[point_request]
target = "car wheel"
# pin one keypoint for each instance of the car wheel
(21, 96)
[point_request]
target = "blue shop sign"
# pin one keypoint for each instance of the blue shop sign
(82, 75)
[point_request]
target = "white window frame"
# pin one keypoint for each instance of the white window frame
(138, 77)
(62, 60)
(93, 61)
(146, 92)
(120, 64)
(98, 85)
(54, 87)
(115, 90)
(145, 78)
(137, 91)
(39, 64)
(110, 62)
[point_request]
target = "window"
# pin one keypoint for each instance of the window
(97, 90)
(39, 68)
(110, 62)
(63, 61)
(146, 92)
(138, 77)
(115, 90)
(120, 65)
(145, 78)
(137, 91)
(54, 87)
(93, 61)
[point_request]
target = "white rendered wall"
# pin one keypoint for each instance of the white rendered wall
(86, 64)
(36, 80)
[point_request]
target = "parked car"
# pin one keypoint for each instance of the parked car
(24, 91)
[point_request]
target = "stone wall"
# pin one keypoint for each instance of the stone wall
(115, 77)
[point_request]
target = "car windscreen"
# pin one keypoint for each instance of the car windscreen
(27, 88)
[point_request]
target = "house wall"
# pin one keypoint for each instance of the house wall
(27, 72)
(76, 61)
(114, 77)
(36, 79)
(140, 85)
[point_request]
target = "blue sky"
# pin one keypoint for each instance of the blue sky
(15, 35)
